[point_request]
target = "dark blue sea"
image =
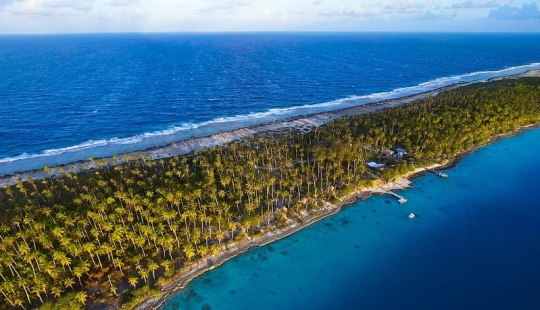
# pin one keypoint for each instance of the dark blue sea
(69, 97)
(475, 243)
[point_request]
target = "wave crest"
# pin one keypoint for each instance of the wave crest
(184, 131)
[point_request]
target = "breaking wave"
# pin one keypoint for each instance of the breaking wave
(109, 147)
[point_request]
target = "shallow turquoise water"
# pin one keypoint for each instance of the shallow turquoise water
(475, 245)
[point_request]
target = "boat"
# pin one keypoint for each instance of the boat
(442, 175)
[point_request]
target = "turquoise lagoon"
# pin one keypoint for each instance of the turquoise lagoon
(474, 245)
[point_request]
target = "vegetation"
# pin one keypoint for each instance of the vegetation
(99, 235)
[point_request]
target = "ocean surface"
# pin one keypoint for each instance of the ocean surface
(65, 98)
(475, 244)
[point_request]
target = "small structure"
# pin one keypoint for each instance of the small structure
(441, 175)
(400, 198)
(437, 173)
(388, 152)
(374, 165)
(412, 215)
(400, 152)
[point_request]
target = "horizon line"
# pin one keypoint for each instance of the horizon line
(269, 32)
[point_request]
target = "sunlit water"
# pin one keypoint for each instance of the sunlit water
(474, 245)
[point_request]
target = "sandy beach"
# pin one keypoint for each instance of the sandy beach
(195, 269)
(188, 273)
(229, 251)
(199, 267)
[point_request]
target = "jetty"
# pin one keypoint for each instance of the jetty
(400, 198)
(437, 173)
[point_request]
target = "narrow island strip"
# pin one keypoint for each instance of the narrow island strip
(127, 234)
(183, 147)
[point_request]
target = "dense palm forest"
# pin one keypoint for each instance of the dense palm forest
(101, 235)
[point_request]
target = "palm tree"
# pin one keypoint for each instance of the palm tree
(189, 251)
(7, 288)
(133, 281)
(56, 291)
(153, 266)
(81, 269)
(167, 265)
(81, 297)
(144, 273)
(68, 282)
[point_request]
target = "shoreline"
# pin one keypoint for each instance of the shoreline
(272, 233)
(188, 273)
(201, 266)
(184, 147)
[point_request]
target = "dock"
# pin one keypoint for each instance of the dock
(400, 198)
(437, 173)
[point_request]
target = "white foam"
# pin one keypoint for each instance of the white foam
(280, 113)
(79, 147)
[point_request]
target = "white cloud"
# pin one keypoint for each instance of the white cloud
(384, 11)
(265, 13)
(29, 16)
(51, 7)
(122, 3)
(5, 2)
(474, 4)
(439, 15)
(242, 2)
(526, 12)
(300, 9)
(402, 5)
(353, 12)
(220, 5)
(82, 5)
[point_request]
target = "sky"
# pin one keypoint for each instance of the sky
(97, 16)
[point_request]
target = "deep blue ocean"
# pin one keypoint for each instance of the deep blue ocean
(475, 243)
(69, 97)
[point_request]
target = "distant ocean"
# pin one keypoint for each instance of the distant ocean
(65, 98)
(475, 243)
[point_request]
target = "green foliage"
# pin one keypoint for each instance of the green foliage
(139, 295)
(67, 302)
(125, 226)
(345, 190)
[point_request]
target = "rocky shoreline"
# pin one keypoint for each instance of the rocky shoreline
(196, 269)
(269, 234)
